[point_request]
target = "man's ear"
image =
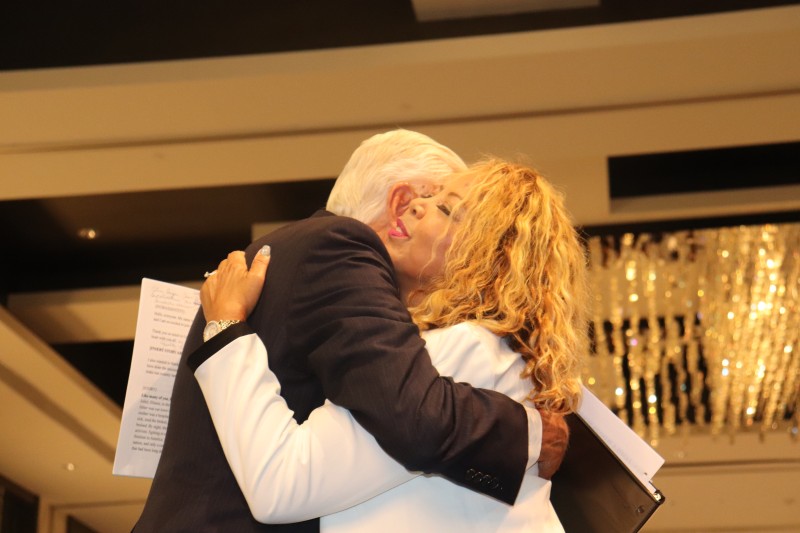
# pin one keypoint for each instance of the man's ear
(400, 196)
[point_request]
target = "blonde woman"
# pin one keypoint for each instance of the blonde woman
(494, 273)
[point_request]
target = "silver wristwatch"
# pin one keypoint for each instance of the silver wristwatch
(215, 326)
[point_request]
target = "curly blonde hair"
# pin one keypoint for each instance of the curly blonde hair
(518, 268)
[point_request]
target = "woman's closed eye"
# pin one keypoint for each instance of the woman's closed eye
(444, 208)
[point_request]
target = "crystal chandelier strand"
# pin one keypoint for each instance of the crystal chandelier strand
(698, 326)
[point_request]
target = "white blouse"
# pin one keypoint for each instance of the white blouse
(329, 466)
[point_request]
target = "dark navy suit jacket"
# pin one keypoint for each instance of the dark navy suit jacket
(335, 328)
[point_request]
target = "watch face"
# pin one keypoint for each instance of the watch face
(211, 329)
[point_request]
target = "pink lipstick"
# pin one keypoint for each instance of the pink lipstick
(399, 230)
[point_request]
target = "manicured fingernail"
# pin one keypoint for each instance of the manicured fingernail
(265, 250)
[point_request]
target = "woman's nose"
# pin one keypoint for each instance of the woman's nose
(417, 208)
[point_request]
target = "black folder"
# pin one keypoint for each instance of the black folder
(594, 491)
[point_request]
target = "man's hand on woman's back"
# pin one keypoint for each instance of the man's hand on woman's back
(555, 436)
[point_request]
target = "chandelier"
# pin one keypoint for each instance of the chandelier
(697, 329)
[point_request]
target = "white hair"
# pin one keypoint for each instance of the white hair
(397, 156)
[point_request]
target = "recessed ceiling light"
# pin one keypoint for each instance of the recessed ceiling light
(69, 467)
(87, 233)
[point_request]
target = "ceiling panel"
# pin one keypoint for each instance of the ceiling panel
(428, 10)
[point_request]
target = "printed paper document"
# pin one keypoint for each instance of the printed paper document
(166, 312)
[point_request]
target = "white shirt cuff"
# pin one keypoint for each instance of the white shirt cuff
(534, 435)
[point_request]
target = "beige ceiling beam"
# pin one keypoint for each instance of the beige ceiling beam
(572, 149)
(66, 430)
(555, 71)
(41, 371)
(80, 315)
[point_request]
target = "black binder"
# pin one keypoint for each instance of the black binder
(593, 491)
